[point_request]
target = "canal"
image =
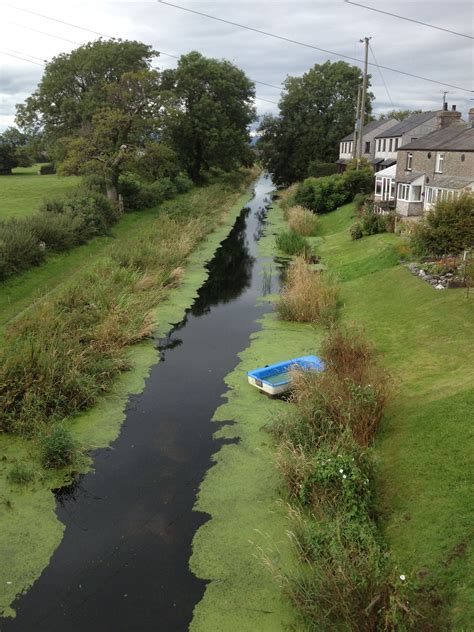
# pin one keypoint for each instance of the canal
(123, 562)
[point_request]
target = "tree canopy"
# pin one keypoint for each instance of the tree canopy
(213, 109)
(73, 86)
(14, 150)
(316, 111)
(399, 115)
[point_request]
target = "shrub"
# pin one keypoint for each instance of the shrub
(308, 295)
(302, 221)
(356, 231)
(318, 168)
(47, 169)
(58, 448)
(287, 197)
(58, 232)
(371, 222)
(138, 195)
(292, 243)
(20, 474)
(359, 181)
(19, 248)
(447, 229)
(183, 183)
(323, 195)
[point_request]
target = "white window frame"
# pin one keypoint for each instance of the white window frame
(409, 163)
(439, 162)
(378, 187)
(403, 192)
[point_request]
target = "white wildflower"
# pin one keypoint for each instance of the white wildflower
(341, 471)
(344, 476)
(402, 577)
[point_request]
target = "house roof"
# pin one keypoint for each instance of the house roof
(451, 182)
(407, 124)
(458, 136)
(388, 172)
(370, 127)
(410, 177)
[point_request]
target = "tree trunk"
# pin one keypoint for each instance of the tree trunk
(111, 186)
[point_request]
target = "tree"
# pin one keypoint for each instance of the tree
(14, 150)
(73, 85)
(118, 130)
(214, 107)
(399, 115)
(316, 111)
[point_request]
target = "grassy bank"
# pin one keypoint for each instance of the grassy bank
(23, 192)
(29, 529)
(423, 451)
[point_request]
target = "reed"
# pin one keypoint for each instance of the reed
(302, 221)
(308, 295)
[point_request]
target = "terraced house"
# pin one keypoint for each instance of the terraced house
(437, 165)
(388, 141)
(346, 146)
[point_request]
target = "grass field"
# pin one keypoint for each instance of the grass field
(23, 192)
(424, 452)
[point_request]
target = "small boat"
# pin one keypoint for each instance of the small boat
(275, 379)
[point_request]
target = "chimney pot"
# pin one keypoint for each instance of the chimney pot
(445, 106)
(453, 107)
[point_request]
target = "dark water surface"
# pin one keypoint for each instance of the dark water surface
(123, 562)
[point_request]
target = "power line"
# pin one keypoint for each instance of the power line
(22, 58)
(402, 17)
(306, 45)
(19, 52)
(30, 28)
(381, 76)
(83, 28)
(76, 26)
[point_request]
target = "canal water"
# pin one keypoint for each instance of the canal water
(123, 562)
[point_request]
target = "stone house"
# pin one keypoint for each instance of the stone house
(387, 142)
(346, 146)
(438, 165)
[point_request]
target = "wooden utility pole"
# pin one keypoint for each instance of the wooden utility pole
(366, 41)
(355, 147)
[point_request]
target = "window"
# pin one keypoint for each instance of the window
(463, 157)
(367, 147)
(378, 187)
(403, 192)
(429, 154)
(412, 139)
(397, 140)
(384, 144)
(390, 144)
(408, 166)
(416, 193)
(392, 189)
(351, 144)
(439, 162)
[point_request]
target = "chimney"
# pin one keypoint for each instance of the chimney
(446, 117)
(471, 117)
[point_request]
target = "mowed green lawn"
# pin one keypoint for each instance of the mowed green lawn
(425, 450)
(23, 192)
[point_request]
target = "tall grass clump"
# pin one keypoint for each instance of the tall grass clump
(292, 243)
(308, 295)
(302, 221)
(346, 579)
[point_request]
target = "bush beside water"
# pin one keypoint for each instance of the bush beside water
(326, 194)
(347, 580)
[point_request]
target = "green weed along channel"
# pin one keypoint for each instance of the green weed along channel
(29, 528)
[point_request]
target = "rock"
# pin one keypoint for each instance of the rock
(439, 287)
(455, 282)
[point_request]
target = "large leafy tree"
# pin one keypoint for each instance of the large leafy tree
(118, 130)
(316, 111)
(95, 106)
(73, 85)
(214, 107)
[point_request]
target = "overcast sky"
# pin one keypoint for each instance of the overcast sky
(329, 24)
